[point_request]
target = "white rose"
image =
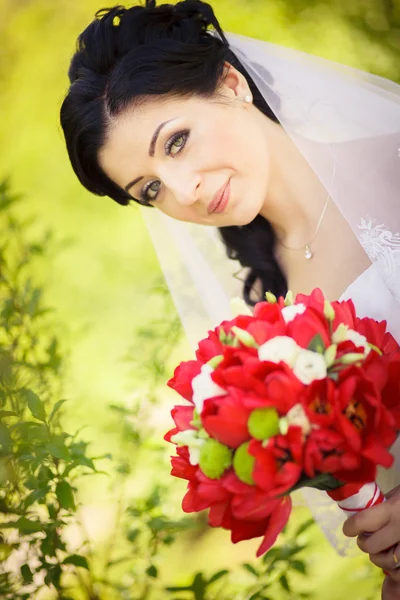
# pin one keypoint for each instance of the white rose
(297, 416)
(290, 312)
(280, 348)
(343, 334)
(309, 366)
(204, 387)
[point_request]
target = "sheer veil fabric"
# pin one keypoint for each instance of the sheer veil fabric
(342, 120)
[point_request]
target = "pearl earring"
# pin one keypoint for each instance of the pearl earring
(247, 99)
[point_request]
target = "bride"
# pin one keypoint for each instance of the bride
(294, 159)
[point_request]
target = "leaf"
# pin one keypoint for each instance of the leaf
(26, 526)
(5, 551)
(283, 580)
(8, 413)
(77, 560)
(317, 344)
(5, 438)
(26, 573)
(52, 511)
(55, 409)
(299, 566)
(84, 461)
(304, 526)
(35, 496)
(152, 571)
(65, 495)
(132, 534)
(58, 449)
(30, 431)
(35, 405)
(250, 569)
(217, 576)
(44, 475)
(53, 576)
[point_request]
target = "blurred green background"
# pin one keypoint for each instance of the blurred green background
(102, 280)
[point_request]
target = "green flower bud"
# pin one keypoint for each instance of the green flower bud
(283, 426)
(329, 313)
(243, 464)
(330, 355)
(215, 458)
(289, 298)
(244, 337)
(376, 349)
(271, 298)
(351, 358)
(215, 361)
(263, 423)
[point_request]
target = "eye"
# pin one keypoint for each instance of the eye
(176, 143)
(150, 191)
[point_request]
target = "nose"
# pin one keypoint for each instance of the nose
(184, 184)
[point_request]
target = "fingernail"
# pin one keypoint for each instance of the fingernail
(385, 572)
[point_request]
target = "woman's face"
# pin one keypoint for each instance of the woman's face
(199, 160)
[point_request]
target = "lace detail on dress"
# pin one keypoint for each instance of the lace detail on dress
(383, 248)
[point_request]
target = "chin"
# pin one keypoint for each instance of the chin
(245, 215)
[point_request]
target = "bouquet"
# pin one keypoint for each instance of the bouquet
(300, 393)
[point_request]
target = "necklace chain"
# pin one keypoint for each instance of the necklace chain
(308, 253)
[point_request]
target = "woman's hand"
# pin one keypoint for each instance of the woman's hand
(382, 522)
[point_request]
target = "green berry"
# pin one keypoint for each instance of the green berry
(263, 423)
(243, 464)
(215, 458)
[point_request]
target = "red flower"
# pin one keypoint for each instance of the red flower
(306, 326)
(183, 417)
(344, 313)
(244, 510)
(225, 419)
(209, 347)
(184, 373)
(181, 466)
(278, 465)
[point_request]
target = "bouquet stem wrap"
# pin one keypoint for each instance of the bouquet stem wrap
(367, 496)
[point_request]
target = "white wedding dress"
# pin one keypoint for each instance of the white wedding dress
(371, 299)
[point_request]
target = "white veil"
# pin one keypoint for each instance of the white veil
(341, 120)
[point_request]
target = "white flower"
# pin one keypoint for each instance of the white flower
(290, 312)
(297, 416)
(190, 438)
(280, 348)
(309, 366)
(204, 387)
(343, 334)
(239, 307)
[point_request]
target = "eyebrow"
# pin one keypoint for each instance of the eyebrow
(152, 149)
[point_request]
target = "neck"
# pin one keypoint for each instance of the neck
(295, 195)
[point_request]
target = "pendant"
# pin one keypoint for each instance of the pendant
(307, 252)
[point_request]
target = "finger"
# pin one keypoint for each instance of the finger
(392, 492)
(386, 560)
(370, 520)
(380, 541)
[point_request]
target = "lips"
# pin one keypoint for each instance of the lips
(220, 199)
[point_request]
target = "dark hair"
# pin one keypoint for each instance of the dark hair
(125, 55)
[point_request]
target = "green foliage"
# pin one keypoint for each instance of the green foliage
(38, 460)
(41, 465)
